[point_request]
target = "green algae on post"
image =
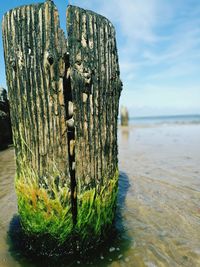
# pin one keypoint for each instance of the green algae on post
(96, 209)
(44, 206)
(64, 98)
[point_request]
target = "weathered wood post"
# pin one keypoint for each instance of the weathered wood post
(5, 125)
(64, 97)
(124, 116)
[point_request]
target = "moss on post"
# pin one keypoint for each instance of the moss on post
(96, 210)
(44, 204)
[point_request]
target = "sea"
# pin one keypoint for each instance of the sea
(171, 119)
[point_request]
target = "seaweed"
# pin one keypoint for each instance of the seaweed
(45, 208)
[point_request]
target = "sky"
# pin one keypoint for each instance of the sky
(159, 51)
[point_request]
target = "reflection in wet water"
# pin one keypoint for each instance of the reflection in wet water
(158, 214)
(125, 132)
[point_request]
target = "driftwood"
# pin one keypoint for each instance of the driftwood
(64, 96)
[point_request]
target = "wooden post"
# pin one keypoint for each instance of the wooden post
(124, 116)
(5, 125)
(64, 97)
(35, 49)
(96, 88)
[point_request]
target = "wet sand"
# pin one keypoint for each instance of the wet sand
(8, 204)
(158, 216)
(162, 212)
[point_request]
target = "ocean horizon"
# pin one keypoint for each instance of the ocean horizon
(165, 119)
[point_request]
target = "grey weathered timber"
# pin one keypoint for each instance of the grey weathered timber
(64, 97)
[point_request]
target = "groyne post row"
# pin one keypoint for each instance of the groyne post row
(64, 97)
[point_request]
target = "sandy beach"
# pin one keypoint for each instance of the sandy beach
(158, 203)
(163, 202)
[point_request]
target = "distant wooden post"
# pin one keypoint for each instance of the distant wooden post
(64, 97)
(124, 116)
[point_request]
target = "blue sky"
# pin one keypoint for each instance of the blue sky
(159, 51)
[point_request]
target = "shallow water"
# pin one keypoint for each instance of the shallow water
(158, 216)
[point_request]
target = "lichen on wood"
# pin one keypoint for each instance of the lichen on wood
(64, 97)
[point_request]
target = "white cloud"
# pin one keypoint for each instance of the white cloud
(134, 17)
